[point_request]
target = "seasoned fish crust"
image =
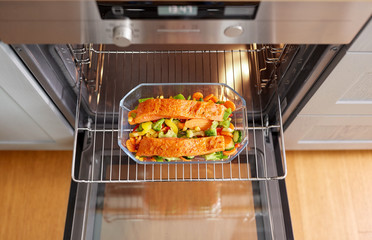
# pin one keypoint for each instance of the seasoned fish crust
(177, 147)
(154, 109)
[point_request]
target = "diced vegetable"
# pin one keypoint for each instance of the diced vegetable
(237, 136)
(229, 143)
(189, 157)
(140, 128)
(225, 123)
(197, 95)
(181, 125)
(200, 100)
(228, 130)
(172, 125)
(189, 97)
(214, 124)
(203, 124)
(213, 156)
(169, 134)
(227, 114)
(158, 159)
(172, 159)
(211, 132)
(146, 127)
(231, 105)
(193, 133)
(144, 99)
(157, 126)
(232, 126)
(179, 96)
(133, 115)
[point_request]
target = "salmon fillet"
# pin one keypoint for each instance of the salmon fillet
(177, 147)
(155, 109)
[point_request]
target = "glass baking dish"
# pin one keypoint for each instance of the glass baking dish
(147, 90)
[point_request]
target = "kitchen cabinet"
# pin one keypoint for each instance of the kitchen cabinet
(28, 118)
(339, 115)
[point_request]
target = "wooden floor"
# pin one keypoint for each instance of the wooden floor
(330, 194)
(34, 193)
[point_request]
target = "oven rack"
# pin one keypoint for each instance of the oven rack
(114, 73)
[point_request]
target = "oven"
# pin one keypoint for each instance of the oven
(86, 55)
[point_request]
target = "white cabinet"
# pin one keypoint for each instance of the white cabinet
(28, 118)
(339, 115)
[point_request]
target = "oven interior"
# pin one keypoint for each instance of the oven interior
(107, 73)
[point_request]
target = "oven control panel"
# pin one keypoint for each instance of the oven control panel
(179, 10)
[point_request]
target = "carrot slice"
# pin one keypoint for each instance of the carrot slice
(214, 99)
(197, 95)
(226, 133)
(231, 126)
(138, 140)
(181, 125)
(132, 140)
(228, 140)
(231, 152)
(203, 124)
(229, 104)
(209, 97)
(131, 147)
(184, 159)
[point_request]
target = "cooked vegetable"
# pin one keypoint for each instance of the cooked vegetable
(214, 124)
(230, 152)
(209, 97)
(158, 159)
(144, 99)
(189, 97)
(203, 124)
(229, 104)
(189, 157)
(211, 132)
(232, 126)
(224, 124)
(214, 99)
(193, 133)
(169, 134)
(237, 136)
(226, 114)
(179, 96)
(168, 159)
(227, 130)
(229, 143)
(197, 95)
(172, 125)
(214, 156)
(157, 126)
(131, 147)
(226, 133)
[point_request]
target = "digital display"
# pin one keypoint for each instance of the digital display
(177, 10)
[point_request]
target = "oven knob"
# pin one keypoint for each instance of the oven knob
(233, 31)
(122, 36)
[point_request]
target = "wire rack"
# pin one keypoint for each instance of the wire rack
(108, 74)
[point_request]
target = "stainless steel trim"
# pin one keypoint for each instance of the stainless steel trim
(290, 22)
